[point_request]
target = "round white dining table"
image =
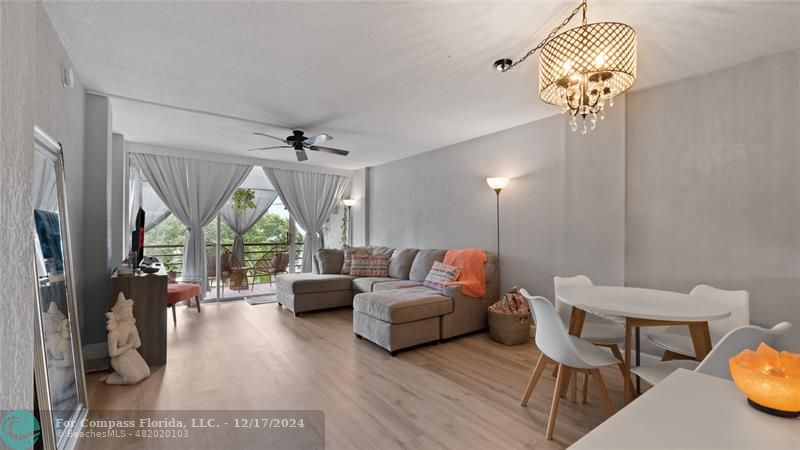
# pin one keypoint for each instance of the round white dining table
(641, 308)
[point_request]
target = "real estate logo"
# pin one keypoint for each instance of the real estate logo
(20, 430)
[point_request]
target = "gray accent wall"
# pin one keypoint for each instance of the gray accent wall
(713, 186)
(31, 92)
(691, 182)
(562, 214)
(97, 255)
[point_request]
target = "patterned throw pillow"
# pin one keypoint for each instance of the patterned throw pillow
(440, 275)
(370, 266)
(349, 252)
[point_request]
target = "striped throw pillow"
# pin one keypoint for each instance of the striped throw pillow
(440, 275)
(370, 266)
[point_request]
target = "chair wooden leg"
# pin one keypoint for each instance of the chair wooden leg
(174, 318)
(574, 386)
(585, 385)
(197, 300)
(565, 388)
(537, 372)
(617, 354)
(561, 379)
(601, 387)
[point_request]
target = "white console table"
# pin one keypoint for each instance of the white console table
(692, 410)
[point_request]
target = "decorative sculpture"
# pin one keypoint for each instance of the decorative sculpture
(123, 340)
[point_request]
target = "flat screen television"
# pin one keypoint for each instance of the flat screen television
(137, 238)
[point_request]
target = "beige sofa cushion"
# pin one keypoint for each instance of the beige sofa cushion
(309, 283)
(423, 262)
(397, 284)
(367, 284)
(403, 305)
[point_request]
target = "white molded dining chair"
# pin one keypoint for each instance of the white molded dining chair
(676, 341)
(570, 353)
(596, 329)
(716, 363)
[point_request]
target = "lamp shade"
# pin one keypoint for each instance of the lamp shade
(497, 182)
(349, 202)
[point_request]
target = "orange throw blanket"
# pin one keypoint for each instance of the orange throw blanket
(473, 276)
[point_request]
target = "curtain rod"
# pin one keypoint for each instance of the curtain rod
(139, 147)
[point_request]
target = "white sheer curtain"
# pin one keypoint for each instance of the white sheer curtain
(242, 222)
(45, 196)
(310, 198)
(142, 195)
(194, 191)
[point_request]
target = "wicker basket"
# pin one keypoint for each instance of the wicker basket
(510, 329)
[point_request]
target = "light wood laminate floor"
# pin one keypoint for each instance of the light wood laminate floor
(463, 393)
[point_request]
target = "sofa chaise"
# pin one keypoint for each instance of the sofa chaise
(395, 312)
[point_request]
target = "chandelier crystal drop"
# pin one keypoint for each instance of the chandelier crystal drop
(582, 69)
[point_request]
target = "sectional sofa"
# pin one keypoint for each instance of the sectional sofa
(395, 312)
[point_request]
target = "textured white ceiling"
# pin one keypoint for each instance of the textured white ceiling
(386, 79)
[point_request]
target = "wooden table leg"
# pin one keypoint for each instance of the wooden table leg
(627, 363)
(576, 319)
(701, 339)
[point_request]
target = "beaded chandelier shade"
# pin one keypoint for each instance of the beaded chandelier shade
(603, 52)
(583, 68)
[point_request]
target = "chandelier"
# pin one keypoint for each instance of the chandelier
(584, 68)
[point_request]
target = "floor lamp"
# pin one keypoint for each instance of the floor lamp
(498, 184)
(349, 203)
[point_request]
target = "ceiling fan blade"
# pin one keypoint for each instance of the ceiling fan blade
(318, 139)
(267, 148)
(301, 155)
(273, 137)
(335, 151)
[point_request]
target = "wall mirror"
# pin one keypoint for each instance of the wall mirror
(59, 376)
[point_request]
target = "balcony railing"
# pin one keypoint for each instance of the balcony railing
(173, 253)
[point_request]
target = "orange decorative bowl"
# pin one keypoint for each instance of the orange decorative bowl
(769, 379)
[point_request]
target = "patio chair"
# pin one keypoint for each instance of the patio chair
(269, 266)
(226, 267)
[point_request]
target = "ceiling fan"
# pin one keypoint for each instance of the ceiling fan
(300, 143)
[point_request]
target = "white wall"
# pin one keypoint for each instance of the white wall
(31, 58)
(713, 186)
(562, 213)
(17, 99)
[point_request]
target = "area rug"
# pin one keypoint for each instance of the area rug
(262, 299)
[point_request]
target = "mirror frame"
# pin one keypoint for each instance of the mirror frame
(50, 149)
